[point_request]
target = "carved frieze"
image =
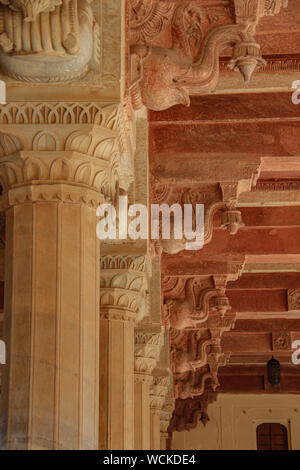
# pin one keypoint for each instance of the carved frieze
(188, 412)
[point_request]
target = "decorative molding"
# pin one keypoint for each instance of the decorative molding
(283, 185)
(158, 392)
(60, 113)
(50, 192)
(274, 63)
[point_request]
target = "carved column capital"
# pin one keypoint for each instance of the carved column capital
(48, 41)
(123, 287)
(147, 347)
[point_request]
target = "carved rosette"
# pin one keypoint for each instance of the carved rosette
(123, 287)
(74, 152)
(147, 347)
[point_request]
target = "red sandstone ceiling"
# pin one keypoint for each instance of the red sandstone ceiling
(222, 141)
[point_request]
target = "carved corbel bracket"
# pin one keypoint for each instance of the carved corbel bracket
(221, 197)
(187, 412)
(188, 303)
(166, 73)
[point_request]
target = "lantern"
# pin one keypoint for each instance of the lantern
(273, 367)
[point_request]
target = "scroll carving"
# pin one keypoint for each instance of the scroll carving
(294, 300)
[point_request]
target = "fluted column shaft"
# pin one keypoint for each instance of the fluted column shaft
(142, 412)
(51, 321)
(116, 381)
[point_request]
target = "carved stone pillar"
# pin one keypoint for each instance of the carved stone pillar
(148, 340)
(122, 299)
(56, 167)
(51, 323)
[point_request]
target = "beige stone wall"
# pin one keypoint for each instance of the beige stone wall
(234, 419)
